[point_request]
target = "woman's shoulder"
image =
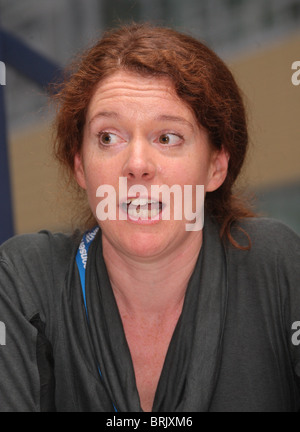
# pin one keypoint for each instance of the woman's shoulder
(268, 232)
(33, 268)
(43, 245)
(38, 259)
(269, 269)
(271, 242)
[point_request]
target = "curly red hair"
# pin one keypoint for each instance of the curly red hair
(200, 78)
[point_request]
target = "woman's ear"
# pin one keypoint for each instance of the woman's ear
(79, 171)
(219, 169)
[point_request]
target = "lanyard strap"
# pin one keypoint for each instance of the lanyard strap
(81, 261)
(81, 258)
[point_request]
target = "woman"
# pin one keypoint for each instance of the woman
(143, 313)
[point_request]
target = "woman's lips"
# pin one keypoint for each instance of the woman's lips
(142, 209)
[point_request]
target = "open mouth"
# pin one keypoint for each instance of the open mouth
(142, 208)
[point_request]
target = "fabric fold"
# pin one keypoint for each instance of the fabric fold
(107, 334)
(191, 367)
(192, 363)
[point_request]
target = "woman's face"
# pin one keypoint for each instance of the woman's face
(139, 131)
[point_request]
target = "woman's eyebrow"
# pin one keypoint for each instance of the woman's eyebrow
(162, 117)
(177, 119)
(107, 114)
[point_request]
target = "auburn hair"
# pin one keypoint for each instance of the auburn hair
(201, 79)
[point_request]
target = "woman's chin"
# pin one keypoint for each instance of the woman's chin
(144, 246)
(136, 244)
(141, 241)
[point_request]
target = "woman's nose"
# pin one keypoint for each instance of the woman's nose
(139, 163)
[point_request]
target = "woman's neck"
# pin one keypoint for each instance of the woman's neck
(155, 288)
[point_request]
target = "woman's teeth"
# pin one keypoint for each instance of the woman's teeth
(142, 208)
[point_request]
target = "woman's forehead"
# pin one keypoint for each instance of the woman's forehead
(134, 84)
(124, 91)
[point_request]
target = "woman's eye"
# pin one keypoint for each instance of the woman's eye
(170, 139)
(108, 138)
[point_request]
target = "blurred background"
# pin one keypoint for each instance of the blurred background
(258, 39)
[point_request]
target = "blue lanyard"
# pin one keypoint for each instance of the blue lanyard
(81, 260)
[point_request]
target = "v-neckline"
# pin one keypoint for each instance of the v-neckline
(190, 368)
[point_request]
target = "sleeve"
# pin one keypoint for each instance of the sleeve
(20, 382)
(33, 268)
(26, 357)
(288, 271)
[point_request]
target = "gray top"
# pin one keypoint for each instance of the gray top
(248, 343)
